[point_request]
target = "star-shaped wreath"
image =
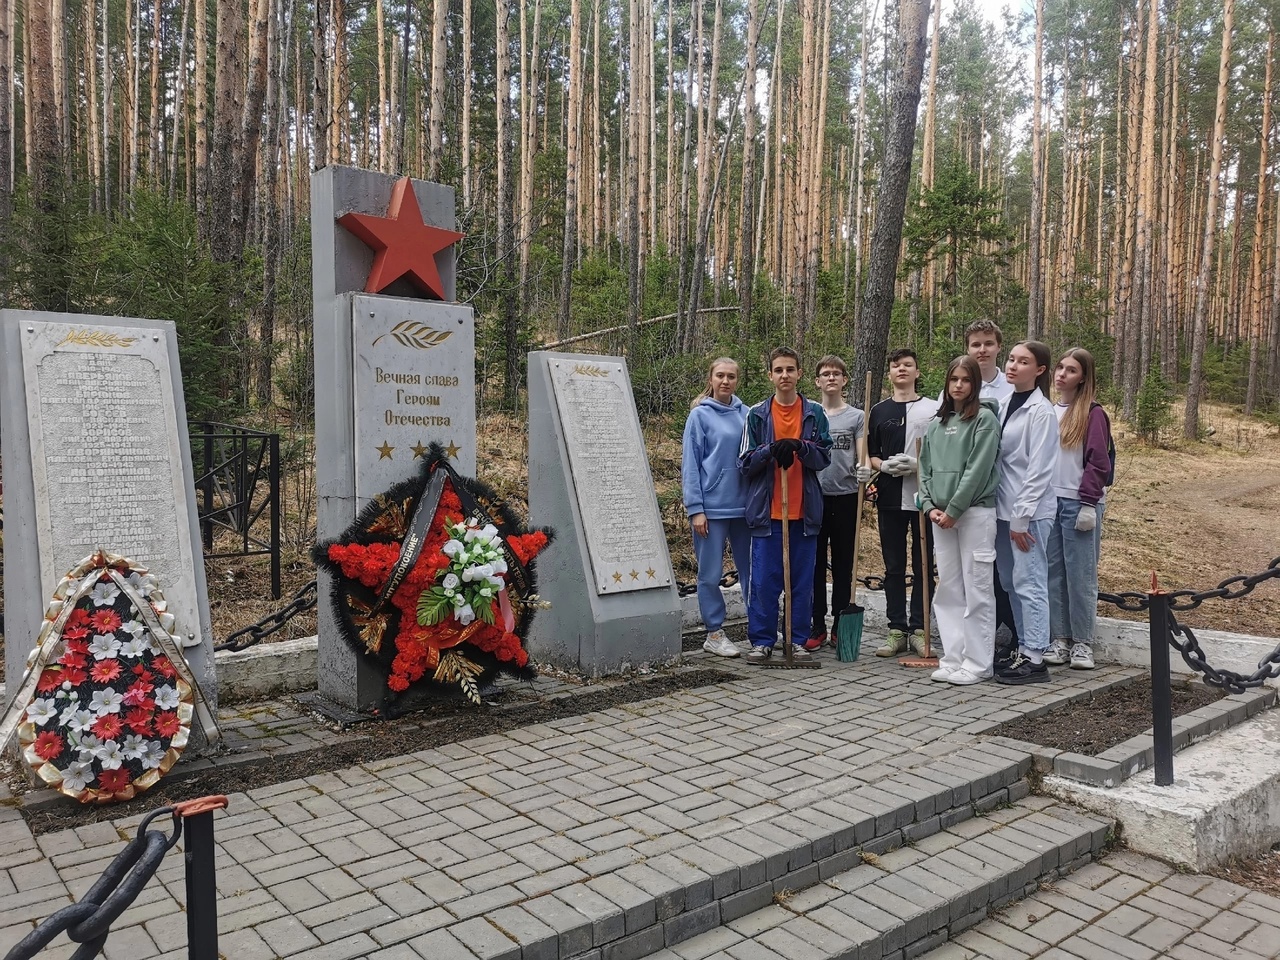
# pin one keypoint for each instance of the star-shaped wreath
(435, 581)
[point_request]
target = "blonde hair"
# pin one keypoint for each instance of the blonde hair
(706, 391)
(1075, 422)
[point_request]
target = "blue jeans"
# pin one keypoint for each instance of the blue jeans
(709, 551)
(1073, 574)
(766, 584)
(1025, 575)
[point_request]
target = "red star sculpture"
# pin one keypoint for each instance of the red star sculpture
(403, 245)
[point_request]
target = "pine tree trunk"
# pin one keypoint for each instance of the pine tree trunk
(179, 101)
(873, 332)
(569, 253)
(465, 135)
(1259, 219)
(319, 86)
(439, 55)
(6, 121)
(508, 302)
(201, 111)
(746, 272)
(261, 15)
(225, 228)
(1035, 288)
(384, 126)
(1195, 379)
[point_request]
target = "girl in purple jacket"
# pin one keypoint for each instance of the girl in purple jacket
(1079, 481)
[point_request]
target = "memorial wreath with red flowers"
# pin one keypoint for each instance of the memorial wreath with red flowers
(110, 712)
(435, 581)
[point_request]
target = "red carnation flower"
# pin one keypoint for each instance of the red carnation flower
(105, 671)
(164, 667)
(166, 723)
(139, 721)
(105, 621)
(50, 680)
(79, 617)
(48, 745)
(75, 633)
(142, 673)
(75, 675)
(114, 780)
(74, 658)
(107, 727)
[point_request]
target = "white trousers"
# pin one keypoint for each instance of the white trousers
(964, 605)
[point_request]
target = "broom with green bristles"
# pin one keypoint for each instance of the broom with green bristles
(849, 629)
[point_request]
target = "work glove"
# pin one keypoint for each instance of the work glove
(862, 473)
(899, 465)
(784, 451)
(1087, 518)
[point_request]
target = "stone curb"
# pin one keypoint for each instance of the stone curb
(1116, 764)
(912, 900)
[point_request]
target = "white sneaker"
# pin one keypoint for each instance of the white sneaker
(718, 642)
(962, 678)
(1059, 652)
(1081, 657)
(941, 675)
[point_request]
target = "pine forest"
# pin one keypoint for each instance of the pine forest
(694, 177)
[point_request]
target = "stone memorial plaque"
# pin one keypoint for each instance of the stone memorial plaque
(97, 457)
(610, 472)
(414, 383)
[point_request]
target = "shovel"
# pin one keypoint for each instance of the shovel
(849, 630)
(928, 660)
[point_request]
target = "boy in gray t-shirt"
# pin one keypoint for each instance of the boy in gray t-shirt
(839, 499)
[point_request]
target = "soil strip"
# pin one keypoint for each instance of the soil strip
(1109, 717)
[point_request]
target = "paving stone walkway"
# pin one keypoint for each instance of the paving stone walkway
(519, 845)
(1127, 906)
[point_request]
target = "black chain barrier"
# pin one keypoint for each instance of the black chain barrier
(731, 578)
(1188, 646)
(88, 922)
(304, 600)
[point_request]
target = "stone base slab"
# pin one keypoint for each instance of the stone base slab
(1224, 801)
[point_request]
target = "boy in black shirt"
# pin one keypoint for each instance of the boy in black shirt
(892, 429)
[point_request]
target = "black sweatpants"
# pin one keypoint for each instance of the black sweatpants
(895, 527)
(839, 530)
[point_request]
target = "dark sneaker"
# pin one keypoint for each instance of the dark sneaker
(759, 654)
(1022, 670)
(816, 641)
(1003, 658)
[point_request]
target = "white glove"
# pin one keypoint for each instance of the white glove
(862, 473)
(899, 465)
(1087, 518)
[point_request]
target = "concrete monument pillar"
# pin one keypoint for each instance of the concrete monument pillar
(608, 573)
(394, 370)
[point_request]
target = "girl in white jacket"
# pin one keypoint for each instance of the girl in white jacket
(1026, 505)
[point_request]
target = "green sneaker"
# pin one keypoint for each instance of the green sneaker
(894, 644)
(917, 642)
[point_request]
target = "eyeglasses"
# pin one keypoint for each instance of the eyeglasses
(831, 375)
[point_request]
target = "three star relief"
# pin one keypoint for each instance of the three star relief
(403, 244)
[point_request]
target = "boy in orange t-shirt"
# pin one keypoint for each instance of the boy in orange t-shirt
(783, 431)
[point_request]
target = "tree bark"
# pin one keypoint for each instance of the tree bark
(872, 336)
(179, 101)
(1200, 319)
(746, 272)
(570, 249)
(1035, 291)
(439, 55)
(506, 262)
(1259, 219)
(466, 105)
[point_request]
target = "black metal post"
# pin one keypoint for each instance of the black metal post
(274, 493)
(1161, 689)
(202, 896)
(206, 488)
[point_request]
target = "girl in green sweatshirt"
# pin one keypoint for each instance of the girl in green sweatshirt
(958, 482)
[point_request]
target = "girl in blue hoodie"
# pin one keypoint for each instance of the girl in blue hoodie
(715, 495)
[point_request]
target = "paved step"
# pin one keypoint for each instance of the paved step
(666, 899)
(908, 901)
